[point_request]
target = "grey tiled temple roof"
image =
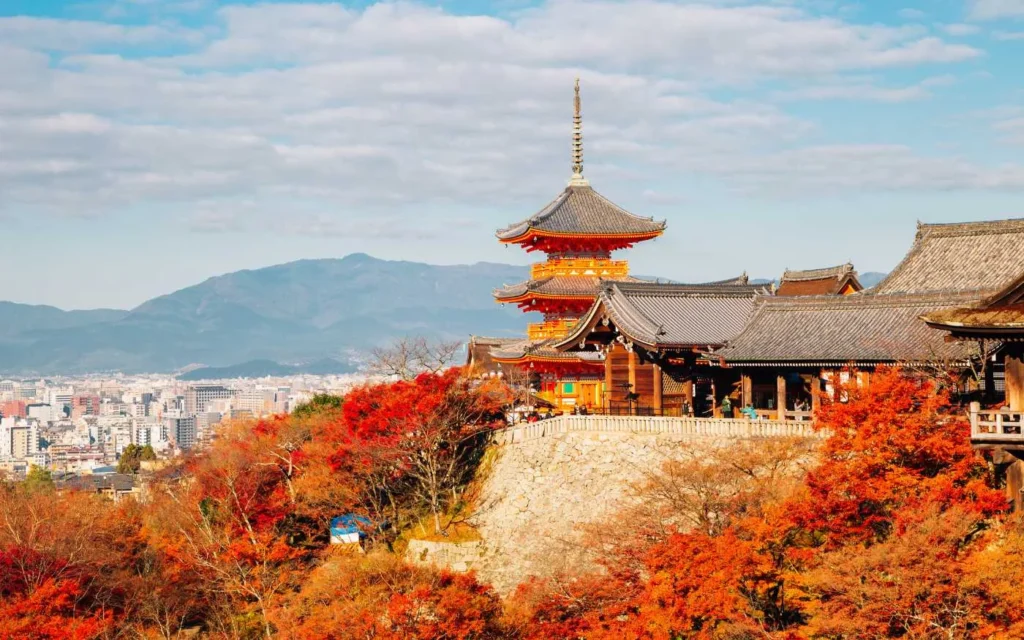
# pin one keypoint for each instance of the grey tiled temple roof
(579, 209)
(545, 349)
(671, 315)
(968, 256)
(555, 286)
(859, 328)
(480, 349)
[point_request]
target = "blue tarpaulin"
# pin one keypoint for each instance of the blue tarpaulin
(350, 523)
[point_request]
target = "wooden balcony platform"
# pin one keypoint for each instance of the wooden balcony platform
(996, 428)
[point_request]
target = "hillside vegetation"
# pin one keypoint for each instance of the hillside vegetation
(896, 532)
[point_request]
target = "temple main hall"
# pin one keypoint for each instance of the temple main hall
(613, 343)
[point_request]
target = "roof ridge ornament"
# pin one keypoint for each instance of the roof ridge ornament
(577, 141)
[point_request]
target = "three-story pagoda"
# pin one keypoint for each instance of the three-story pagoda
(578, 231)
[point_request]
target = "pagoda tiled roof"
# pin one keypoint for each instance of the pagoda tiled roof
(967, 256)
(671, 315)
(580, 286)
(836, 330)
(582, 211)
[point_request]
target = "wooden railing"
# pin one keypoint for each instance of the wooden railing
(652, 425)
(538, 331)
(600, 267)
(996, 425)
(797, 416)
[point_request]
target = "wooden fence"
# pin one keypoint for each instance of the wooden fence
(657, 425)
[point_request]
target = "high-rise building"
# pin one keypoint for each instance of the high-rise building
(13, 409)
(40, 411)
(197, 396)
(181, 429)
(256, 401)
(85, 405)
(19, 439)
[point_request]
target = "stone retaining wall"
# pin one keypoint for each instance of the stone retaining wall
(548, 480)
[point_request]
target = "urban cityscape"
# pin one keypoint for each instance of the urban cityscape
(82, 425)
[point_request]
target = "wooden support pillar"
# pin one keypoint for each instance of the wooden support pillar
(606, 397)
(689, 392)
(746, 390)
(990, 380)
(632, 380)
(780, 396)
(863, 379)
(815, 393)
(1009, 469)
(1014, 364)
(659, 403)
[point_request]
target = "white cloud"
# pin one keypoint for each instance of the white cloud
(77, 35)
(402, 106)
(794, 173)
(866, 90)
(995, 9)
(960, 30)
(1006, 36)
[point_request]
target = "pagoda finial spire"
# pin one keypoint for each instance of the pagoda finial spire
(577, 140)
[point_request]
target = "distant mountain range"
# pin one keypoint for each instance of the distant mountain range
(871, 278)
(305, 316)
(264, 368)
(300, 312)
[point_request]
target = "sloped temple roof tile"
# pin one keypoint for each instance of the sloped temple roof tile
(859, 328)
(583, 211)
(970, 256)
(580, 286)
(667, 315)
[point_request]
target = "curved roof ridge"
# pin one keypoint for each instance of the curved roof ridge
(861, 300)
(837, 272)
(971, 228)
(676, 289)
(626, 315)
(980, 256)
(741, 279)
(520, 227)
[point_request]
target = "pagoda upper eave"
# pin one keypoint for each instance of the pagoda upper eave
(557, 242)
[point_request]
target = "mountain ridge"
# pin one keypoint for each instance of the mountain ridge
(291, 313)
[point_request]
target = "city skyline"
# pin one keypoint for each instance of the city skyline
(150, 145)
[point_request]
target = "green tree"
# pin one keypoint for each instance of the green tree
(319, 403)
(38, 479)
(129, 461)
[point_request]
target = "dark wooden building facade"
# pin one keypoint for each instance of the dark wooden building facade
(652, 337)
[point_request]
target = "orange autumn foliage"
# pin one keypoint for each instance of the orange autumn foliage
(380, 596)
(895, 448)
(886, 538)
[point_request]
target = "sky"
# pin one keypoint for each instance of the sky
(146, 145)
